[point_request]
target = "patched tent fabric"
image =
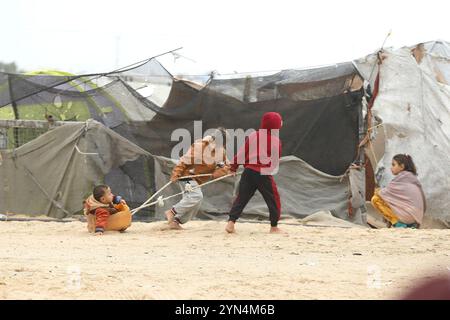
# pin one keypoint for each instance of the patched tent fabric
(52, 174)
(412, 115)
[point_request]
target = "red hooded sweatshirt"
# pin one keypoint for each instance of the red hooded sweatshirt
(262, 149)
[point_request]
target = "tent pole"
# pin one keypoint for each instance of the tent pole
(16, 113)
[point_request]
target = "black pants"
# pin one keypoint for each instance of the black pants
(250, 182)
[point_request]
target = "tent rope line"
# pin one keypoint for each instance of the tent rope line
(56, 203)
(93, 76)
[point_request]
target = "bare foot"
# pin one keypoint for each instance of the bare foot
(230, 227)
(174, 225)
(276, 230)
(169, 216)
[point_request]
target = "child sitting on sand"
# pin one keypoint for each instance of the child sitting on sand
(106, 212)
(402, 202)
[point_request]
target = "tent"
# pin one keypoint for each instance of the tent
(52, 174)
(323, 125)
(411, 114)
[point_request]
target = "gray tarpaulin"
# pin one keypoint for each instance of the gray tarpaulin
(52, 174)
(303, 191)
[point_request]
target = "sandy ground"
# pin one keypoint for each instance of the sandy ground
(50, 260)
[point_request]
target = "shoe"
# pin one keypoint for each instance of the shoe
(404, 225)
(400, 225)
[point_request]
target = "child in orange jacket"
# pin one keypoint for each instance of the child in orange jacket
(103, 204)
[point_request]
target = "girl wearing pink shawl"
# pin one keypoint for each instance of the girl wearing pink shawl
(402, 202)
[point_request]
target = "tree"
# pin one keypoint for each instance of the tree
(9, 67)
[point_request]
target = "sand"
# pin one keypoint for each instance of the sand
(51, 260)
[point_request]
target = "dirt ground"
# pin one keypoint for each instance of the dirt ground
(51, 260)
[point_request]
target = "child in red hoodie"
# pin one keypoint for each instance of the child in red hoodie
(260, 156)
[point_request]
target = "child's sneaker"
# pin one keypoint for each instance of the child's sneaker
(400, 225)
(404, 225)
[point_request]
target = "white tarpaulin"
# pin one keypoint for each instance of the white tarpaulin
(413, 105)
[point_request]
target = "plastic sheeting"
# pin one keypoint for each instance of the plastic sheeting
(303, 191)
(414, 108)
(321, 109)
(50, 176)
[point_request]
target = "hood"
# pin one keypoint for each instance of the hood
(271, 120)
(92, 204)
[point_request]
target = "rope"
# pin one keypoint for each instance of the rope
(57, 204)
(160, 200)
(85, 153)
(91, 76)
(374, 127)
(165, 186)
(150, 199)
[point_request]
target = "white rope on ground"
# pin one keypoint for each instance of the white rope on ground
(160, 200)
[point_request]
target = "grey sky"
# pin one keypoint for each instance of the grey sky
(97, 35)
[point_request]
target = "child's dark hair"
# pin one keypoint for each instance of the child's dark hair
(406, 161)
(99, 191)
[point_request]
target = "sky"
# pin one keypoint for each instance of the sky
(227, 36)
